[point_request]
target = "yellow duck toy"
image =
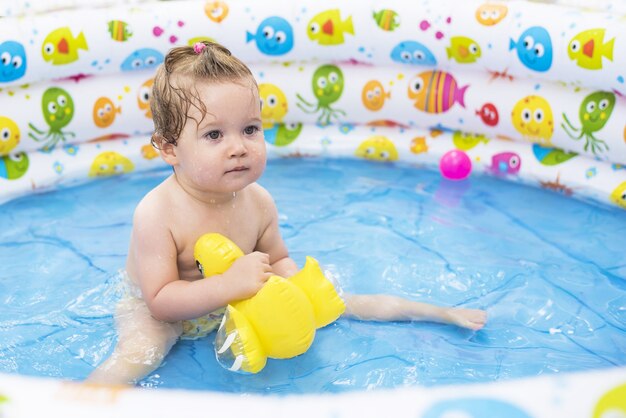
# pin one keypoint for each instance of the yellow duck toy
(279, 321)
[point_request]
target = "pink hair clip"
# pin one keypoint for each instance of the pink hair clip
(198, 47)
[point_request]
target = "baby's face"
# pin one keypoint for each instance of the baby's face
(226, 151)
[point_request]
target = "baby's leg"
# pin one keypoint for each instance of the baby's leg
(393, 308)
(142, 344)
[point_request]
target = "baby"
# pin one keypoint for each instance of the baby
(208, 127)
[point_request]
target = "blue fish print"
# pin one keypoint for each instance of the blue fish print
(534, 48)
(142, 59)
(411, 52)
(12, 61)
(274, 36)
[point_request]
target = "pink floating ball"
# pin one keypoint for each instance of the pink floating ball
(455, 165)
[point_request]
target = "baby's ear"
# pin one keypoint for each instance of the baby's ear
(166, 149)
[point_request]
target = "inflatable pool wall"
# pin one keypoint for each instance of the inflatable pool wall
(524, 91)
(524, 96)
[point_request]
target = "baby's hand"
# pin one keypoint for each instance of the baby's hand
(468, 318)
(248, 274)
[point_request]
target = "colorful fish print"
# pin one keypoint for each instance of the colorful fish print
(14, 165)
(466, 141)
(120, 31)
(387, 19)
(274, 105)
(436, 91)
(377, 148)
(148, 152)
(327, 28)
(110, 163)
(373, 95)
(551, 156)
(412, 52)
(588, 47)
(9, 135)
(142, 59)
(274, 36)
(283, 134)
(489, 114)
(594, 112)
(61, 47)
(12, 61)
(104, 112)
(216, 10)
(419, 145)
(143, 97)
(618, 196)
(534, 48)
(505, 163)
(463, 50)
(532, 117)
(491, 14)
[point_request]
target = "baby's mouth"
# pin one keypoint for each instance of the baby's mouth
(237, 169)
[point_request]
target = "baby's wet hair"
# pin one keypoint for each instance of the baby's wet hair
(174, 91)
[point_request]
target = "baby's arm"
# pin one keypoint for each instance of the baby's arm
(155, 260)
(271, 241)
(393, 308)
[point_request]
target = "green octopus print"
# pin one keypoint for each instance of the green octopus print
(594, 113)
(58, 110)
(327, 87)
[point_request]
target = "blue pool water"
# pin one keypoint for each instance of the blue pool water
(550, 271)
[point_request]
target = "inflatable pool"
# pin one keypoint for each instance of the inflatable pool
(469, 89)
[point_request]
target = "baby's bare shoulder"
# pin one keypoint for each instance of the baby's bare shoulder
(260, 195)
(153, 205)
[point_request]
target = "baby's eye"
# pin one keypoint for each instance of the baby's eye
(251, 130)
(213, 134)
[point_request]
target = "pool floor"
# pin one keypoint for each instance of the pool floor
(550, 271)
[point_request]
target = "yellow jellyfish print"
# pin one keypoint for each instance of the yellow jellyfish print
(618, 196)
(104, 111)
(9, 135)
(532, 117)
(491, 14)
(373, 95)
(143, 97)
(274, 104)
(110, 163)
(378, 148)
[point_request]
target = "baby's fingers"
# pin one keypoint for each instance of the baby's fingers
(263, 257)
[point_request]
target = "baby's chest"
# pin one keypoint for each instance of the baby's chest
(243, 231)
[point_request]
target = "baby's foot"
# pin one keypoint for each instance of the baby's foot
(473, 319)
